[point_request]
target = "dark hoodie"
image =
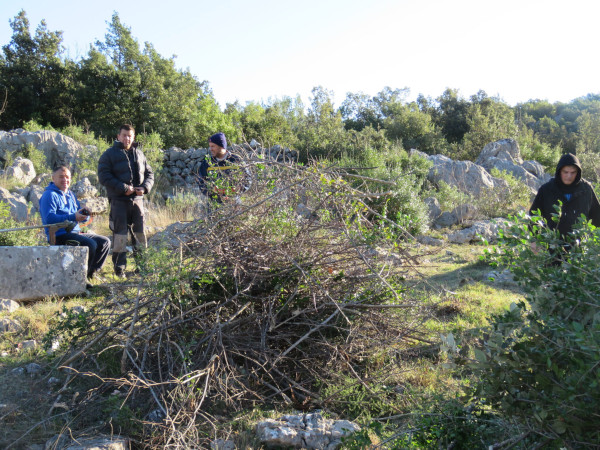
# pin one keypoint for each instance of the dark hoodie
(577, 198)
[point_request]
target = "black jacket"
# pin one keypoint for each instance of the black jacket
(118, 168)
(238, 178)
(577, 198)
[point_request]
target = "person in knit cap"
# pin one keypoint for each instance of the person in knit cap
(576, 194)
(220, 176)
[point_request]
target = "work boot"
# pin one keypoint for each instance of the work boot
(120, 274)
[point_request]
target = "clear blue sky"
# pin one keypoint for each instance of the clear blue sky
(256, 50)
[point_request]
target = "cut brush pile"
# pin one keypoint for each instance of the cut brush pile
(268, 303)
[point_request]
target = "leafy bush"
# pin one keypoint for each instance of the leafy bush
(450, 197)
(539, 361)
(503, 202)
(36, 156)
(398, 178)
(152, 146)
(14, 238)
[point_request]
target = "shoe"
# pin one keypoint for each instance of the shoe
(120, 274)
(96, 277)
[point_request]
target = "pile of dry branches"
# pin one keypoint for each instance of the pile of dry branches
(262, 303)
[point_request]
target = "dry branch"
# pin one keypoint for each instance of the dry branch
(268, 301)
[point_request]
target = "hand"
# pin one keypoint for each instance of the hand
(130, 190)
(139, 191)
(80, 217)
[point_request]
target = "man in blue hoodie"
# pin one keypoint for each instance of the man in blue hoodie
(59, 204)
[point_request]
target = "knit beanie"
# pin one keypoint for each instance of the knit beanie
(218, 139)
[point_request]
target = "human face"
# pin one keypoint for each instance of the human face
(216, 150)
(62, 179)
(126, 138)
(568, 175)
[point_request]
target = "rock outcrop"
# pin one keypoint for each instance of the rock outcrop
(17, 204)
(21, 170)
(504, 155)
(58, 148)
(307, 431)
(33, 273)
(465, 176)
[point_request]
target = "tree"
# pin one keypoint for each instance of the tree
(414, 128)
(118, 83)
(451, 115)
(359, 111)
(34, 76)
(322, 133)
(489, 119)
(270, 124)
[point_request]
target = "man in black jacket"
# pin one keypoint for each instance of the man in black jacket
(127, 176)
(576, 194)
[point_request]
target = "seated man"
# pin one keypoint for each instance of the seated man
(59, 204)
(220, 176)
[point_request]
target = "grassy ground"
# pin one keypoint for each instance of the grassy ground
(452, 280)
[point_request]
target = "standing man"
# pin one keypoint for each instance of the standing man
(220, 177)
(127, 176)
(59, 204)
(576, 194)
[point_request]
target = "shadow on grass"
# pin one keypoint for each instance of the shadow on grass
(476, 272)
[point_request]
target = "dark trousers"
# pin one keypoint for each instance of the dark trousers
(98, 247)
(126, 216)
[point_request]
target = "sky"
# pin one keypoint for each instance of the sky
(265, 49)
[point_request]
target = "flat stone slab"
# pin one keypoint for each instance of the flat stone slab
(32, 273)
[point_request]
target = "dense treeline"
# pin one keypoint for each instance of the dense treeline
(120, 81)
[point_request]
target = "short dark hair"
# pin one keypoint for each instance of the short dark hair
(60, 167)
(126, 127)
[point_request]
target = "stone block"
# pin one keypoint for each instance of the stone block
(32, 273)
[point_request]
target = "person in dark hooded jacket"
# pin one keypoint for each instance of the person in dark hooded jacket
(576, 194)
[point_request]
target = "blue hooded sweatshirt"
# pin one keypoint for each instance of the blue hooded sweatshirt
(57, 206)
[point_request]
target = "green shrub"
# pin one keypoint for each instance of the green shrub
(503, 202)
(32, 126)
(543, 153)
(399, 202)
(450, 197)
(37, 157)
(152, 146)
(15, 238)
(538, 363)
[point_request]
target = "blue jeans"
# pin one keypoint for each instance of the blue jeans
(98, 247)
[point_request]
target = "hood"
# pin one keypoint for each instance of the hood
(567, 159)
(53, 187)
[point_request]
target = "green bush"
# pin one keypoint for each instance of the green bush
(400, 201)
(152, 146)
(538, 363)
(450, 197)
(503, 202)
(15, 238)
(36, 156)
